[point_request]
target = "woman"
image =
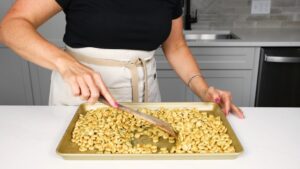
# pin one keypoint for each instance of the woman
(110, 48)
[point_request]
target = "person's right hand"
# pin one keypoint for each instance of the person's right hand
(223, 99)
(85, 82)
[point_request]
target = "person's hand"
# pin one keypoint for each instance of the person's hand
(85, 82)
(224, 99)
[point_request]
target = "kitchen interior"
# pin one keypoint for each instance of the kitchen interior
(248, 47)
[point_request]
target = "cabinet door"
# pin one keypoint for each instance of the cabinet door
(238, 82)
(216, 58)
(172, 89)
(40, 84)
(228, 68)
(15, 84)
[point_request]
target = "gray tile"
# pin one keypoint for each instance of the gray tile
(236, 13)
(244, 24)
(281, 3)
(269, 24)
(223, 25)
(201, 26)
(296, 17)
(290, 9)
(281, 17)
(258, 17)
(290, 24)
(275, 10)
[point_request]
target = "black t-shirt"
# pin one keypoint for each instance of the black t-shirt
(119, 24)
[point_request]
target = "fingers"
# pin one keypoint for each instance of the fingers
(226, 99)
(94, 91)
(238, 112)
(89, 86)
(104, 91)
(84, 89)
(74, 86)
(86, 83)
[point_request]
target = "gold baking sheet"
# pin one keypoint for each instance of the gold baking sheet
(70, 151)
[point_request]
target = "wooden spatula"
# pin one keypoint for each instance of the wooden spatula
(151, 119)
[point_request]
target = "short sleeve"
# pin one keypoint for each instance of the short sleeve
(63, 3)
(177, 10)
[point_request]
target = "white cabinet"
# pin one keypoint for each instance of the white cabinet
(229, 68)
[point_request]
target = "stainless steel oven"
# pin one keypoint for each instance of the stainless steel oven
(278, 82)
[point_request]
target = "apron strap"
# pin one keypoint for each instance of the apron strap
(145, 79)
(131, 65)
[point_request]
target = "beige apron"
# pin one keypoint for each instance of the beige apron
(122, 71)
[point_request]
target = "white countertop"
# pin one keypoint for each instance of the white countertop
(29, 136)
(255, 37)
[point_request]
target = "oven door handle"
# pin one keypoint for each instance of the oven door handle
(282, 59)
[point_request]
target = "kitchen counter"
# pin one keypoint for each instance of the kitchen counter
(29, 136)
(255, 38)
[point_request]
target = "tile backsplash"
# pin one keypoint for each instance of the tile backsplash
(225, 14)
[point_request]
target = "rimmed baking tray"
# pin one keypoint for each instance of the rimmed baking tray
(70, 151)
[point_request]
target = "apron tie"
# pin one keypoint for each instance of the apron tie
(144, 66)
(131, 65)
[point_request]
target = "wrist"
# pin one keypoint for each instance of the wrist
(198, 85)
(63, 62)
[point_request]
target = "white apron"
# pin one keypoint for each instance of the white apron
(121, 70)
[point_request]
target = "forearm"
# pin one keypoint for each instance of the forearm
(21, 36)
(185, 65)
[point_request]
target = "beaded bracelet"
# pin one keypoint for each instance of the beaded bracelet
(190, 80)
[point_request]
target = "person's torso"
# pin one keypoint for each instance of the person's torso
(119, 24)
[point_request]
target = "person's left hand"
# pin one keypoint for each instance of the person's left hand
(224, 99)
